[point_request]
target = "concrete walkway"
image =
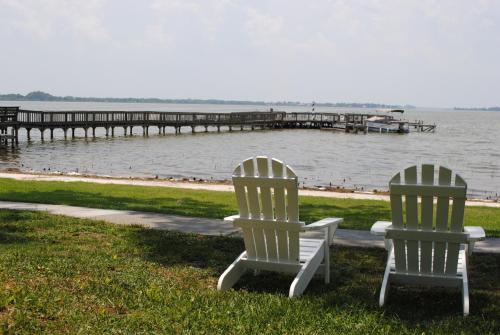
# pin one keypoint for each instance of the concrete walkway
(346, 237)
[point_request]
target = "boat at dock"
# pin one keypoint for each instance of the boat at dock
(389, 110)
(386, 124)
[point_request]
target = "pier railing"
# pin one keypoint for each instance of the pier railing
(116, 118)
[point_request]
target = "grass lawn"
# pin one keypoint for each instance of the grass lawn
(65, 275)
(358, 214)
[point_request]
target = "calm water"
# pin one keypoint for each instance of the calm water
(467, 142)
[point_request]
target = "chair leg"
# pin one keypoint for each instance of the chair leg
(306, 273)
(465, 298)
(470, 248)
(327, 262)
(385, 282)
(465, 290)
(232, 274)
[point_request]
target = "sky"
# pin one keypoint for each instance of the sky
(434, 53)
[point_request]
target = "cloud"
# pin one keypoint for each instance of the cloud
(48, 18)
(389, 51)
(204, 17)
(264, 29)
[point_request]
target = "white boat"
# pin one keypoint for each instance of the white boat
(389, 110)
(386, 124)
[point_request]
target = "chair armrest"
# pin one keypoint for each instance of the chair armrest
(380, 227)
(329, 225)
(325, 223)
(475, 233)
(231, 218)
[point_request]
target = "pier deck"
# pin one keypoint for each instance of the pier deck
(12, 119)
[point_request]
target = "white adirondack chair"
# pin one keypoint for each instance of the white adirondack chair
(424, 250)
(267, 196)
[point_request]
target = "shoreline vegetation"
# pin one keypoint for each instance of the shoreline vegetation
(42, 96)
(358, 213)
(185, 181)
(334, 191)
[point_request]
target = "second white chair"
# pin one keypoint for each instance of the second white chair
(431, 248)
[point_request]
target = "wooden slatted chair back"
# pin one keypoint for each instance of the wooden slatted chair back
(267, 196)
(428, 243)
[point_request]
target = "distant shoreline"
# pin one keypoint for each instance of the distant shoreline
(42, 96)
(481, 109)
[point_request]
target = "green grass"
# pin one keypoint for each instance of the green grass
(65, 275)
(358, 214)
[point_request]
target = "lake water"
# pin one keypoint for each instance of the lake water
(465, 141)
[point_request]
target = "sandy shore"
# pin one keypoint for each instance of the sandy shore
(222, 186)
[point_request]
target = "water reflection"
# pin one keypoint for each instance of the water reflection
(10, 157)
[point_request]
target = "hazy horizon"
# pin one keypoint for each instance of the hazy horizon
(250, 102)
(440, 54)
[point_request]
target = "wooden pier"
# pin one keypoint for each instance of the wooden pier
(89, 121)
(13, 119)
(9, 125)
